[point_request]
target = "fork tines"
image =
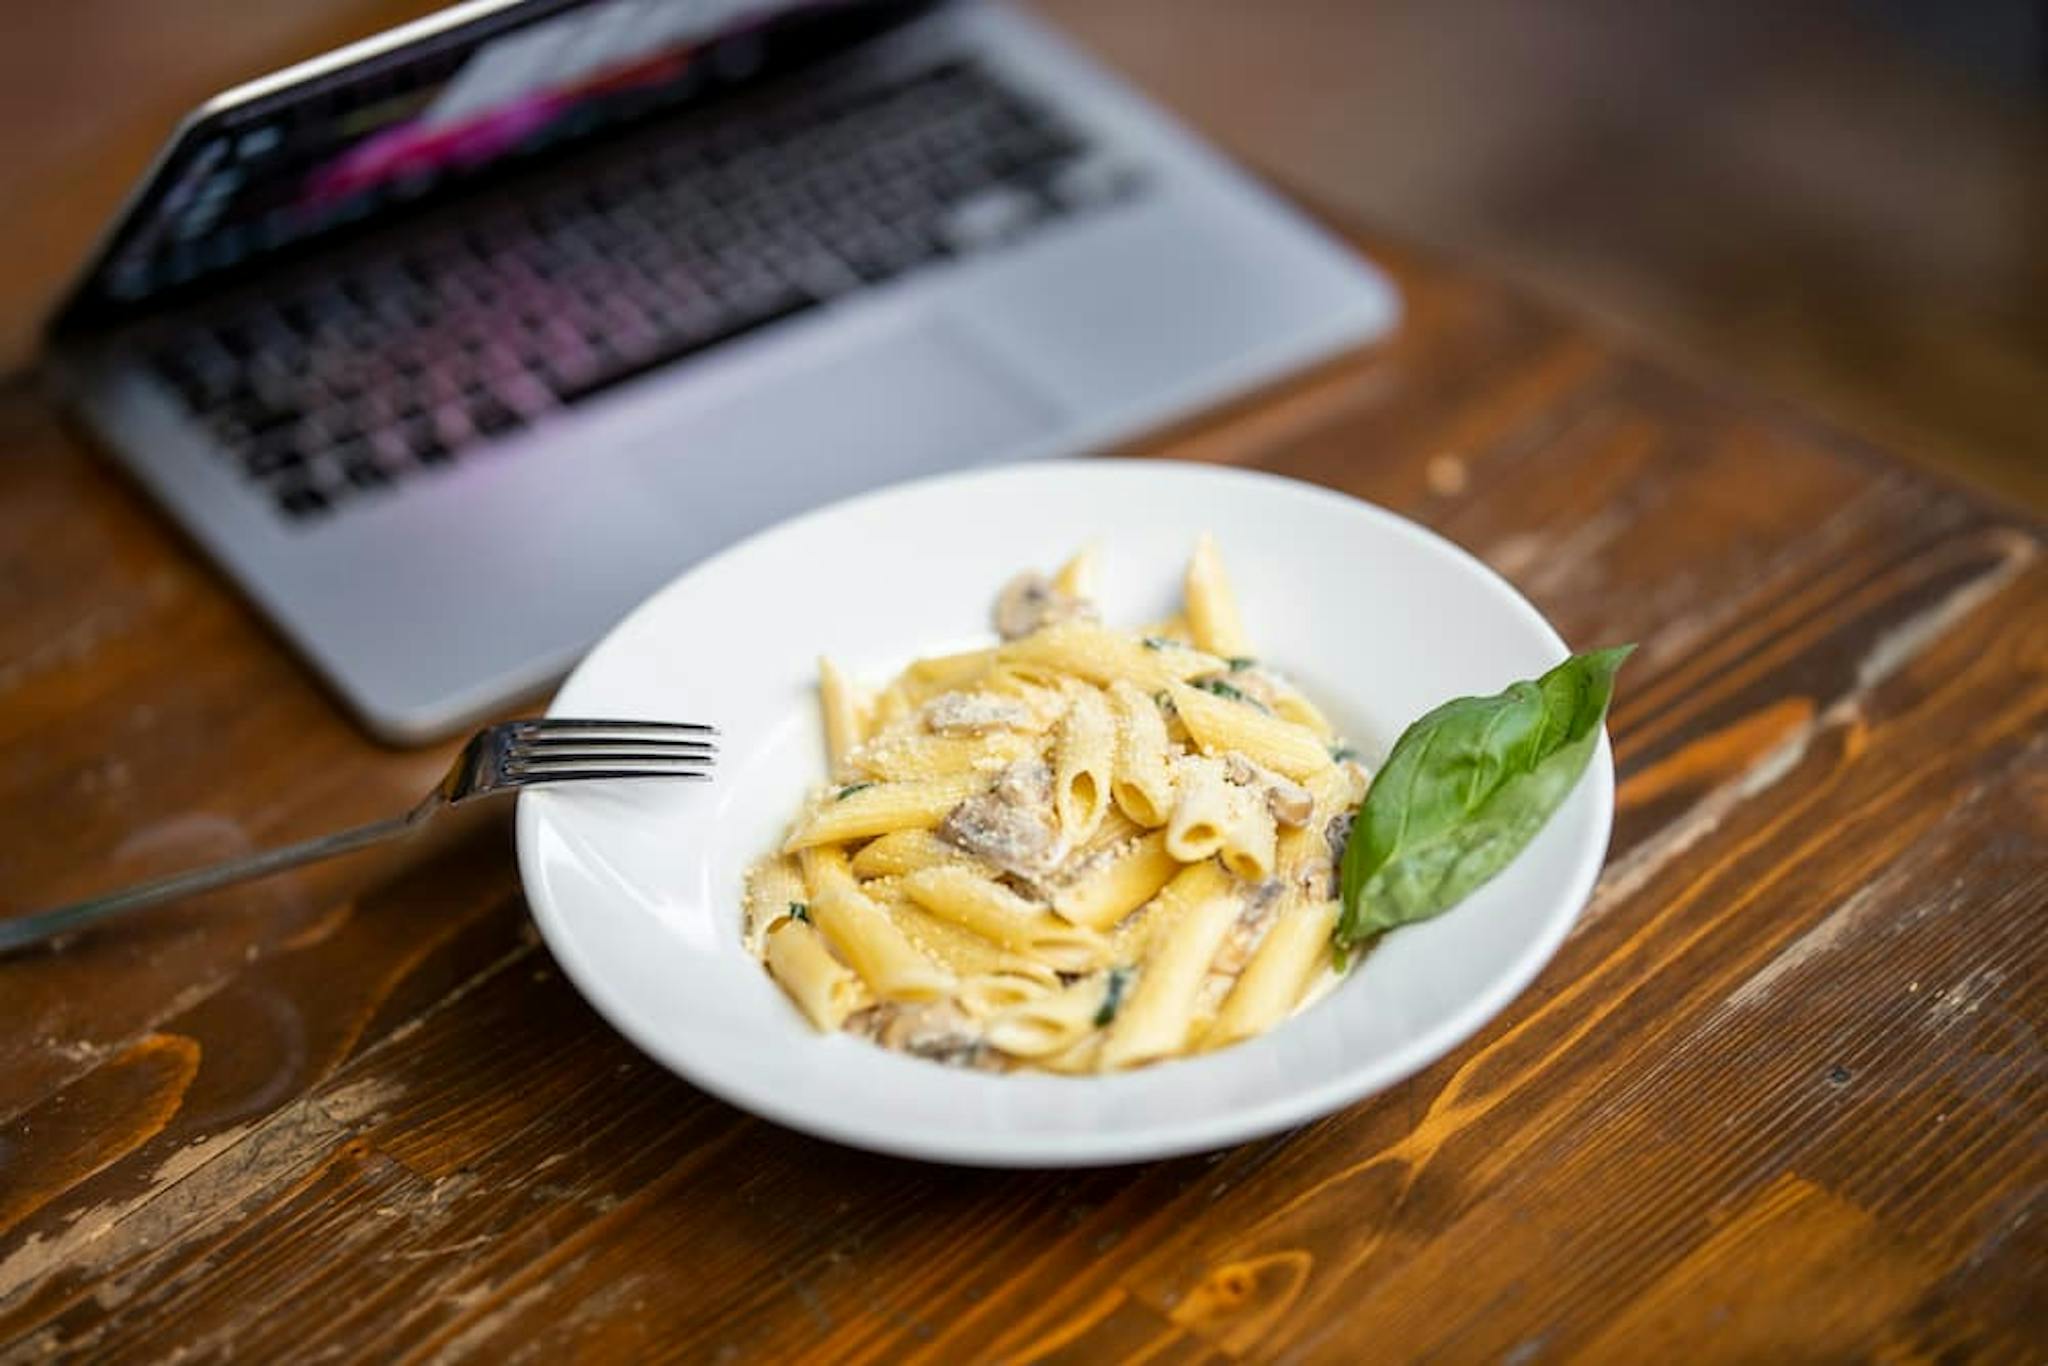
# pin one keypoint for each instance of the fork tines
(554, 750)
(559, 725)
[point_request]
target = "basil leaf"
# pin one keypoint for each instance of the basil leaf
(1465, 788)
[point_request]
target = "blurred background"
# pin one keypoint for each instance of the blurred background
(1840, 202)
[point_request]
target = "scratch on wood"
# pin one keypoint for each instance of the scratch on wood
(1833, 930)
(1633, 871)
(488, 1324)
(1955, 1004)
(356, 1102)
(201, 1182)
(1897, 647)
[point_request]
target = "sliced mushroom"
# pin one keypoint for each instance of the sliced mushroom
(1012, 824)
(1244, 934)
(959, 713)
(1290, 802)
(1337, 834)
(1029, 603)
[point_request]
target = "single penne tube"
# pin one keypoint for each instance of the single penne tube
(824, 989)
(1080, 576)
(955, 948)
(890, 708)
(906, 851)
(1084, 755)
(1142, 783)
(1077, 1059)
(1248, 848)
(1203, 809)
(1116, 830)
(1155, 1021)
(1290, 705)
(840, 706)
(1295, 948)
(1116, 883)
(927, 678)
(1102, 656)
(861, 810)
(1002, 917)
(775, 890)
(988, 994)
(1049, 1023)
(1211, 605)
(865, 935)
(1221, 724)
(915, 757)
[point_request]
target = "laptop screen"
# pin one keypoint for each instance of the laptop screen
(354, 146)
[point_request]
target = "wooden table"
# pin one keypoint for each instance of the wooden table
(1781, 1093)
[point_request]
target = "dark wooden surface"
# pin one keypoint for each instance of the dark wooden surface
(1779, 1096)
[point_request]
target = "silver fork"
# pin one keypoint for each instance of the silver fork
(500, 758)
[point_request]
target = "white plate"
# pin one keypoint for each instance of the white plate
(636, 886)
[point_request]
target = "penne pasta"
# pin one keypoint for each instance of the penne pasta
(866, 937)
(1203, 809)
(1083, 755)
(1078, 850)
(860, 810)
(1120, 880)
(1002, 917)
(1290, 705)
(775, 890)
(1296, 947)
(927, 678)
(1078, 577)
(914, 757)
(825, 989)
(1006, 987)
(1102, 656)
(1248, 845)
(1220, 725)
(1142, 787)
(1211, 606)
(844, 725)
(1155, 1022)
(1053, 1022)
(906, 851)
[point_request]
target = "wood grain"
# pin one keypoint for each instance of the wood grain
(1780, 1095)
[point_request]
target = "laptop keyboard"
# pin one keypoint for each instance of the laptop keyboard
(390, 364)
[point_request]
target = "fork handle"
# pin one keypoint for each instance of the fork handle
(26, 930)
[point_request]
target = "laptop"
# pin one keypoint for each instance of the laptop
(451, 345)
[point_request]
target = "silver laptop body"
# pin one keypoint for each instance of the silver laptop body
(1078, 269)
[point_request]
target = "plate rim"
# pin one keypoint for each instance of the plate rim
(1089, 1149)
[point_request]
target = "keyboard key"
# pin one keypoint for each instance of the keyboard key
(302, 501)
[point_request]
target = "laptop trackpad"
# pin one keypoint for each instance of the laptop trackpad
(910, 398)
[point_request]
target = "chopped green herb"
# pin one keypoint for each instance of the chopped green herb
(1342, 754)
(849, 790)
(1239, 663)
(1164, 700)
(1229, 690)
(799, 911)
(1159, 643)
(1118, 979)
